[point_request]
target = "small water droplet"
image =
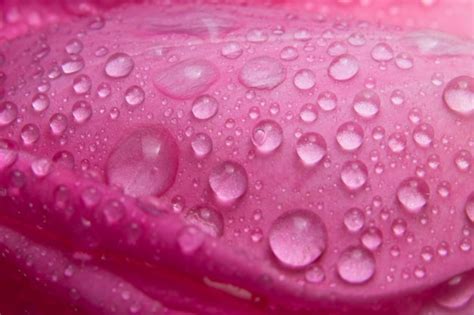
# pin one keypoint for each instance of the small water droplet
(413, 194)
(201, 145)
(81, 112)
(458, 95)
(366, 104)
(262, 73)
(134, 95)
(231, 50)
(343, 67)
(297, 238)
(113, 212)
(463, 160)
(40, 102)
(74, 46)
(354, 174)
(72, 64)
(30, 134)
(469, 207)
(205, 107)
(354, 220)
(82, 84)
(356, 265)
(327, 100)
(267, 136)
(371, 238)
(289, 53)
(350, 136)
(311, 148)
(119, 65)
(58, 124)
(382, 52)
(8, 113)
(304, 79)
(315, 275)
(423, 135)
(397, 142)
(228, 180)
(404, 61)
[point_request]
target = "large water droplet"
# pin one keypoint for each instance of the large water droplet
(228, 181)
(8, 113)
(144, 162)
(366, 104)
(119, 65)
(354, 174)
(267, 136)
(413, 193)
(343, 67)
(205, 107)
(207, 219)
(187, 79)
(297, 238)
(262, 73)
(356, 265)
(350, 136)
(304, 79)
(458, 95)
(311, 148)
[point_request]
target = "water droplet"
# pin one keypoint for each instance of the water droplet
(350, 136)
(267, 136)
(74, 46)
(336, 48)
(119, 65)
(458, 95)
(72, 64)
(343, 68)
(354, 220)
(469, 207)
(356, 265)
(103, 90)
(90, 197)
(397, 97)
(257, 35)
(113, 212)
(207, 219)
(327, 100)
(40, 102)
(64, 159)
(423, 135)
(463, 160)
(205, 107)
(187, 79)
(289, 53)
(201, 145)
(297, 238)
(311, 148)
(134, 95)
(404, 61)
(315, 275)
(304, 79)
(371, 238)
(354, 174)
(382, 52)
(8, 113)
(427, 253)
(231, 50)
(58, 124)
(456, 294)
(81, 112)
(413, 193)
(144, 162)
(41, 167)
(29, 134)
(8, 156)
(228, 181)
(308, 113)
(262, 73)
(397, 142)
(190, 239)
(366, 104)
(82, 84)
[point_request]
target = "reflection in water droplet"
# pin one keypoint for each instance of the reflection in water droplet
(119, 65)
(297, 238)
(354, 174)
(262, 73)
(267, 136)
(144, 162)
(205, 107)
(356, 265)
(350, 136)
(413, 193)
(207, 219)
(458, 95)
(311, 148)
(343, 68)
(41, 167)
(228, 180)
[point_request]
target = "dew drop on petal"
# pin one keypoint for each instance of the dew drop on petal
(343, 67)
(119, 65)
(72, 64)
(356, 265)
(311, 148)
(81, 111)
(304, 79)
(463, 160)
(143, 163)
(267, 136)
(289, 53)
(297, 238)
(231, 50)
(397, 142)
(58, 124)
(204, 107)
(208, 219)
(413, 194)
(41, 167)
(29, 134)
(404, 61)
(82, 84)
(354, 174)
(8, 113)
(366, 104)
(382, 52)
(262, 73)
(469, 207)
(134, 95)
(371, 238)
(354, 220)
(40, 102)
(350, 136)
(228, 180)
(327, 100)
(458, 95)
(201, 145)
(423, 135)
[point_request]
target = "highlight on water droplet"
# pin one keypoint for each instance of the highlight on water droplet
(458, 95)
